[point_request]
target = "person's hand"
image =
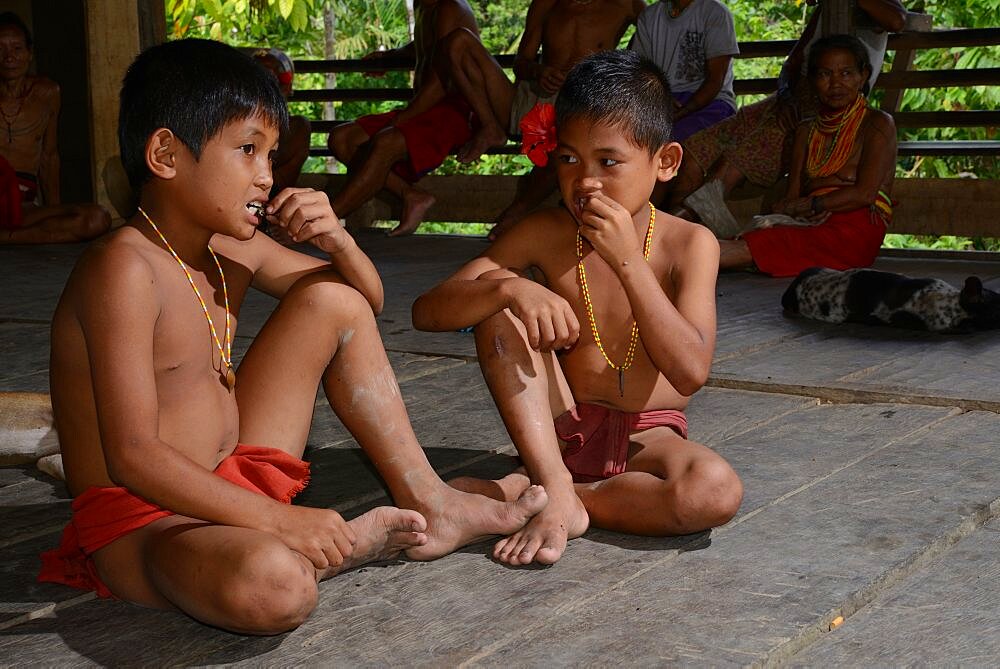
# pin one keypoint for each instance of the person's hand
(609, 228)
(551, 79)
(802, 209)
(679, 111)
(306, 216)
(376, 55)
(548, 319)
(321, 535)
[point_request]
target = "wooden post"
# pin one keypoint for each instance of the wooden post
(113, 35)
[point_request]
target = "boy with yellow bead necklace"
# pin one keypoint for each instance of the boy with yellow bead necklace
(181, 466)
(592, 365)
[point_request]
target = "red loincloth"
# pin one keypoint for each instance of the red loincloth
(597, 438)
(846, 240)
(11, 214)
(429, 136)
(103, 515)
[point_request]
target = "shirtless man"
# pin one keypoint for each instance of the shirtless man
(29, 157)
(565, 31)
(182, 467)
(395, 149)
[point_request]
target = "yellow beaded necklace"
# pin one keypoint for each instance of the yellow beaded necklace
(225, 354)
(581, 274)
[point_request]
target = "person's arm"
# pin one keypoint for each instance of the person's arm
(493, 282)
(120, 305)
(306, 216)
(890, 15)
(716, 70)
(48, 164)
(526, 65)
(796, 171)
(678, 337)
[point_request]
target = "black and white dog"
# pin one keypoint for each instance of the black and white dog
(883, 298)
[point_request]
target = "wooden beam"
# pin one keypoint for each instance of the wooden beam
(113, 33)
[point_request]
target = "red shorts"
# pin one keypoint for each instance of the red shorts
(16, 188)
(429, 136)
(597, 438)
(846, 240)
(103, 515)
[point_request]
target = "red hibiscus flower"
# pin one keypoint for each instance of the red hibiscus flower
(538, 133)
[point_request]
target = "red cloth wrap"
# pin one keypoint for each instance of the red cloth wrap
(103, 515)
(846, 240)
(429, 136)
(597, 437)
(11, 214)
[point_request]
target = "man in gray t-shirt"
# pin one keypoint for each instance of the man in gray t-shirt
(693, 42)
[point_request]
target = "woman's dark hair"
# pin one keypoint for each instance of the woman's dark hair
(195, 88)
(621, 89)
(12, 19)
(847, 43)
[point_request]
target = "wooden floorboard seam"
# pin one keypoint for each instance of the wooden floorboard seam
(836, 395)
(881, 585)
(706, 537)
(48, 610)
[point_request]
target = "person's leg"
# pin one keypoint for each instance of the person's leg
(369, 168)
(63, 223)
(529, 388)
(671, 486)
(239, 579)
(276, 392)
(344, 141)
(532, 189)
(483, 83)
(734, 254)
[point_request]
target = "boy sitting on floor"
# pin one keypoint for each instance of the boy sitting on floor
(643, 285)
(179, 463)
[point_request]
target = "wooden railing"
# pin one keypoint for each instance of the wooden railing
(929, 206)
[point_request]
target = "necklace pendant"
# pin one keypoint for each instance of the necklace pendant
(230, 377)
(621, 382)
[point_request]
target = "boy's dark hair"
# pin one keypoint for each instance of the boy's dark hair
(12, 19)
(848, 43)
(622, 89)
(195, 88)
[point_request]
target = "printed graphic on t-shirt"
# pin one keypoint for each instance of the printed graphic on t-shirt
(691, 63)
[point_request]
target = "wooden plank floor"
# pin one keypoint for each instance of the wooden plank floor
(870, 457)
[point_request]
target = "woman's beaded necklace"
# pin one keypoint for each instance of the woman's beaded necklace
(581, 274)
(225, 353)
(842, 129)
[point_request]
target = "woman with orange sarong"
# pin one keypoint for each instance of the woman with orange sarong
(843, 164)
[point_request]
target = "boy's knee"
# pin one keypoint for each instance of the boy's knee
(720, 491)
(273, 590)
(457, 42)
(98, 220)
(316, 292)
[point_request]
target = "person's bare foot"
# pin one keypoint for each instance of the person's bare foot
(416, 202)
(383, 533)
(456, 518)
(543, 539)
(485, 138)
(507, 489)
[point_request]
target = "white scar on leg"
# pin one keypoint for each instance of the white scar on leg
(381, 390)
(346, 337)
(498, 345)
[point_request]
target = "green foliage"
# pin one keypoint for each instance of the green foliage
(942, 243)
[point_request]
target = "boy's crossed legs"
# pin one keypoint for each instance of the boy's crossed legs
(671, 485)
(250, 581)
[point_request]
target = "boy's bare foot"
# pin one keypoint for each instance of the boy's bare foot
(415, 204)
(507, 489)
(456, 518)
(544, 538)
(383, 533)
(485, 138)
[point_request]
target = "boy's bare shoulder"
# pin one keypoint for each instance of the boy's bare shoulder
(685, 242)
(116, 265)
(536, 236)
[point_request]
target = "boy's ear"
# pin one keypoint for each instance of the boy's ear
(161, 153)
(668, 160)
